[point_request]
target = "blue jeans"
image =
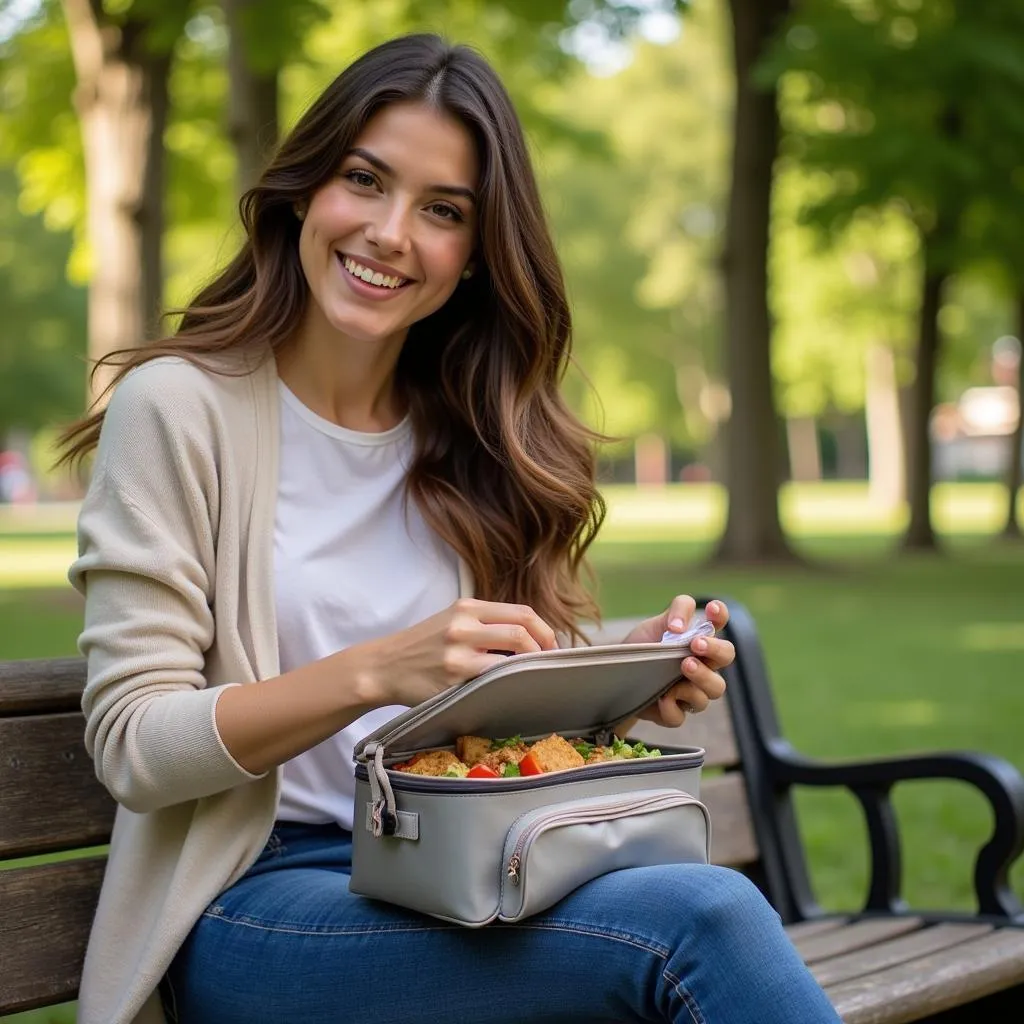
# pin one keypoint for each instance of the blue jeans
(289, 943)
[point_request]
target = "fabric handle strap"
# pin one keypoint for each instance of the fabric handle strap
(384, 813)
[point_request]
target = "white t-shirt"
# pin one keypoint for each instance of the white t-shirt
(352, 561)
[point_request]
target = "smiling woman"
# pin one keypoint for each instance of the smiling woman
(384, 244)
(347, 484)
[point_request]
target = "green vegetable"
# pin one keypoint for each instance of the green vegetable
(583, 748)
(640, 750)
(508, 741)
(455, 771)
(510, 771)
(620, 748)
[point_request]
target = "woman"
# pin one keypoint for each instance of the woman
(260, 592)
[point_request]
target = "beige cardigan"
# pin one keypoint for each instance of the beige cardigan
(175, 562)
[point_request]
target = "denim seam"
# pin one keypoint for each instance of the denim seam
(296, 929)
(597, 933)
(689, 1002)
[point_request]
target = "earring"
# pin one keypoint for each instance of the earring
(467, 274)
(300, 212)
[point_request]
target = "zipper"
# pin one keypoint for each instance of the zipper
(435, 784)
(623, 809)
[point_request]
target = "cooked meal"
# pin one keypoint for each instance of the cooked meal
(476, 757)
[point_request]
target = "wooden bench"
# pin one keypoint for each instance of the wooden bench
(882, 965)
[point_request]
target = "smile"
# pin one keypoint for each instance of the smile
(372, 277)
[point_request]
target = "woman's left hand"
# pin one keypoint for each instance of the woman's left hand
(702, 680)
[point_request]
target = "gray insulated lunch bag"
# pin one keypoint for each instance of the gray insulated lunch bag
(472, 851)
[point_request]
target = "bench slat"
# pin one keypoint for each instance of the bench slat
(932, 983)
(805, 929)
(711, 729)
(47, 913)
(733, 841)
(897, 951)
(857, 935)
(50, 798)
(36, 686)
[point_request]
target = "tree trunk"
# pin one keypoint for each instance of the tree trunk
(886, 464)
(252, 100)
(920, 535)
(1012, 528)
(753, 532)
(122, 100)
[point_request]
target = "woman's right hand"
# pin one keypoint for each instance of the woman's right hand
(453, 646)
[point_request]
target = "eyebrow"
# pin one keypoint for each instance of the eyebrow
(385, 168)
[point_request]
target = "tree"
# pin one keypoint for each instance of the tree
(122, 63)
(912, 102)
(753, 531)
(263, 36)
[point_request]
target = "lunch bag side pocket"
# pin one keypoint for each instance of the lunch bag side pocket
(553, 850)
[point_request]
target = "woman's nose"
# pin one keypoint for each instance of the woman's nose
(390, 231)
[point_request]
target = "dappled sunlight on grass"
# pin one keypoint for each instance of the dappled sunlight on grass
(35, 562)
(895, 714)
(696, 512)
(993, 636)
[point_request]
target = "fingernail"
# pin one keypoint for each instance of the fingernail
(700, 645)
(691, 664)
(676, 625)
(713, 608)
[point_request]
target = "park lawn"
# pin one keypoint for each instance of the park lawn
(869, 654)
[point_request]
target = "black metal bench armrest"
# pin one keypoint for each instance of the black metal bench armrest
(871, 781)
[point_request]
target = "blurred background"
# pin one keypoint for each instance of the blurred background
(793, 234)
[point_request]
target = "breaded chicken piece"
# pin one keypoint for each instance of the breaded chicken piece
(511, 753)
(472, 749)
(555, 753)
(433, 762)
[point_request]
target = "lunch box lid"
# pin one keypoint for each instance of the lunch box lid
(576, 690)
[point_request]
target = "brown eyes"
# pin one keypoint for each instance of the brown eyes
(443, 211)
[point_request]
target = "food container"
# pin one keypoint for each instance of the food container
(472, 851)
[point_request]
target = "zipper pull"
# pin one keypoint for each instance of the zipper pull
(513, 869)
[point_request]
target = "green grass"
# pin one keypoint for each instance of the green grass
(870, 655)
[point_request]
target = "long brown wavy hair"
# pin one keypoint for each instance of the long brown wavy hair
(503, 470)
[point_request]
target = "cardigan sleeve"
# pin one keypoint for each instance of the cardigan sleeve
(147, 538)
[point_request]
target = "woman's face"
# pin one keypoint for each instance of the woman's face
(384, 243)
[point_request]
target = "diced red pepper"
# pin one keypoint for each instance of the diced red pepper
(528, 766)
(482, 771)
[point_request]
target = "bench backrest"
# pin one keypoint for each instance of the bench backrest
(50, 802)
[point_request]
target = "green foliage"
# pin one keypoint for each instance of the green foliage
(42, 335)
(903, 127)
(639, 230)
(905, 102)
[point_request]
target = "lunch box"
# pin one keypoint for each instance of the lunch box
(473, 851)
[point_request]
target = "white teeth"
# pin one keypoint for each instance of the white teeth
(374, 277)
